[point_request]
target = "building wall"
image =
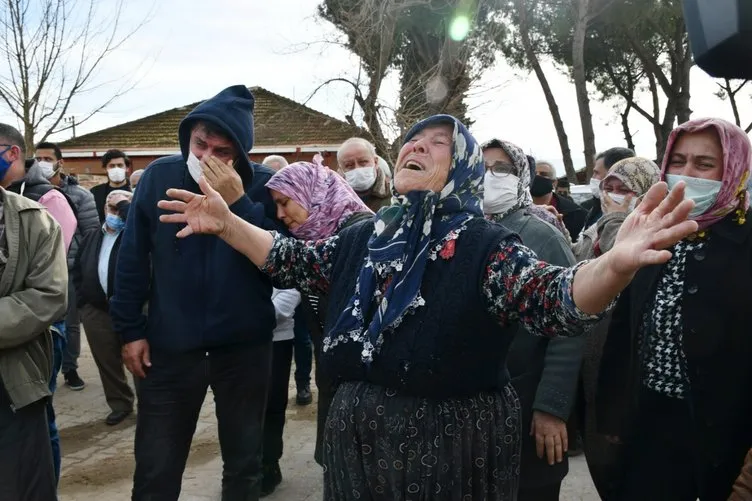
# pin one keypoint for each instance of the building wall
(93, 166)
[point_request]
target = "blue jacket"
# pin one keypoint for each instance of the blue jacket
(201, 293)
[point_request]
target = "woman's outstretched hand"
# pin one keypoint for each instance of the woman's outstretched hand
(207, 213)
(656, 224)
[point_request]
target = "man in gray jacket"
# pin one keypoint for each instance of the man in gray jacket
(544, 371)
(33, 294)
(50, 160)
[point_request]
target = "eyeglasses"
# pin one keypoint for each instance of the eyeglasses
(500, 168)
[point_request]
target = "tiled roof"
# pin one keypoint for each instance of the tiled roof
(279, 121)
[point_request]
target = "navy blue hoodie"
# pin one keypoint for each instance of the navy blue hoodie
(201, 293)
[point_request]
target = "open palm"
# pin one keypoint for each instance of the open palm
(207, 213)
(658, 223)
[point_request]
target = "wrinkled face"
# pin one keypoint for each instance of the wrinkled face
(545, 170)
(599, 170)
(289, 211)
(424, 161)
(614, 185)
(697, 154)
(355, 156)
(204, 145)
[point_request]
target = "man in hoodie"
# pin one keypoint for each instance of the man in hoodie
(210, 317)
(50, 160)
(33, 290)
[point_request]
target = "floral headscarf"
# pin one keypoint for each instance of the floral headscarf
(521, 170)
(637, 174)
(322, 192)
(737, 160)
(406, 235)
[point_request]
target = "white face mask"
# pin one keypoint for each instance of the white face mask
(361, 179)
(595, 187)
(194, 166)
(499, 192)
(48, 169)
(619, 200)
(116, 174)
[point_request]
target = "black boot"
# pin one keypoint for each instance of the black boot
(304, 396)
(272, 478)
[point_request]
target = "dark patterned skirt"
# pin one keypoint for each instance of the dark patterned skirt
(380, 445)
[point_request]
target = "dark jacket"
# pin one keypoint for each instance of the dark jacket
(201, 292)
(716, 303)
(100, 193)
(594, 211)
(573, 215)
(85, 272)
(544, 371)
(86, 213)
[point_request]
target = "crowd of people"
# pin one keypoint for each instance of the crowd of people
(470, 323)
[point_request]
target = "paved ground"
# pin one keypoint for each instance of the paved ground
(98, 459)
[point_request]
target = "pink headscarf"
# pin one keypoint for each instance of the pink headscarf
(737, 161)
(322, 192)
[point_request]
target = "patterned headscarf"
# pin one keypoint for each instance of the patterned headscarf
(637, 174)
(406, 235)
(322, 192)
(737, 160)
(521, 170)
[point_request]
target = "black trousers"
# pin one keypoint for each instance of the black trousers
(660, 461)
(26, 468)
(548, 492)
(169, 402)
(276, 402)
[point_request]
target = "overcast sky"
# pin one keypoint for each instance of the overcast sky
(190, 49)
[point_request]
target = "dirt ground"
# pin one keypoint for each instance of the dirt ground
(98, 459)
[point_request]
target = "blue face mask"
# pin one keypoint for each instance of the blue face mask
(4, 164)
(114, 222)
(704, 192)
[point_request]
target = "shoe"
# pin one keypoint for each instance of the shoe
(74, 382)
(304, 396)
(117, 417)
(272, 477)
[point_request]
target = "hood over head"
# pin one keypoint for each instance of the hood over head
(232, 111)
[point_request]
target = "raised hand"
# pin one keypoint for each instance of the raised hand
(657, 223)
(207, 213)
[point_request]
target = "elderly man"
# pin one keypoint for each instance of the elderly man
(50, 160)
(135, 178)
(210, 317)
(358, 162)
(275, 162)
(93, 275)
(543, 190)
(33, 295)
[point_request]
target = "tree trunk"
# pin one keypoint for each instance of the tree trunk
(628, 137)
(683, 110)
(580, 84)
(532, 57)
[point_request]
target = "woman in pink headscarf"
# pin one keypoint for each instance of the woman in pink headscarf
(675, 376)
(315, 203)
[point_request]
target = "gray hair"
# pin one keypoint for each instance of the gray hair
(113, 193)
(359, 141)
(137, 174)
(276, 162)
